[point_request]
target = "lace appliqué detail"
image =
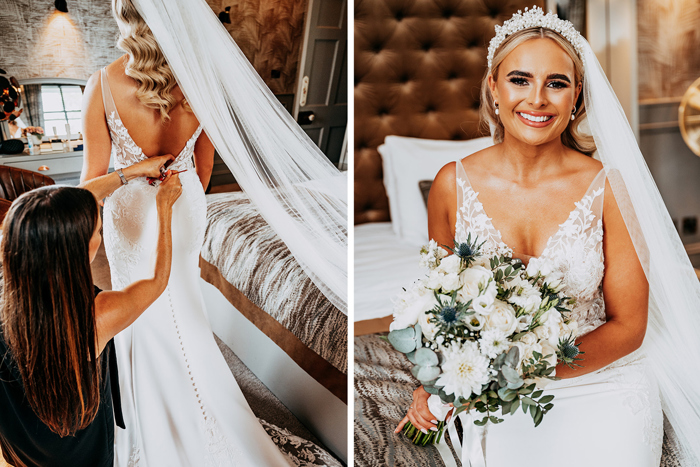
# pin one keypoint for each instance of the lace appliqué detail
(478, 223)
(220, 452)
(299, 451)
(640, 396)
(125, 152)
(135, 457)
(575, 250)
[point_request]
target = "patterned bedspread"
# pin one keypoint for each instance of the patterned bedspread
(383, 391)
(254, 260)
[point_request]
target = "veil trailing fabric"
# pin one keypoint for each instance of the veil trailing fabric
(672, 342)
(297, 190)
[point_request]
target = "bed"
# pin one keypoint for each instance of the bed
(267, 310)
(418, 71)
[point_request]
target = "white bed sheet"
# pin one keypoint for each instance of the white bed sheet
(383, 265)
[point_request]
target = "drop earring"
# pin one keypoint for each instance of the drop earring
(496, 104)
(573, 114)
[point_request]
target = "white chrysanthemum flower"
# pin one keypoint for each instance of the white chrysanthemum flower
(465, 370)
(493, 342)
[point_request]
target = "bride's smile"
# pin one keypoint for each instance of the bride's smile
(536, 92)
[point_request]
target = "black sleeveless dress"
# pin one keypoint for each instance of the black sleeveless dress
(33, 443)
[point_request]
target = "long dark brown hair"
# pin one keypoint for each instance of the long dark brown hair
(48, 304)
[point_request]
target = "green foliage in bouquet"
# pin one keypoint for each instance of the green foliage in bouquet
(513, 379)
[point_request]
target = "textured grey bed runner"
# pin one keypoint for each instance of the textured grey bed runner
(254, 260)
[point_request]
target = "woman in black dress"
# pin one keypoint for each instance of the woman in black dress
(59, 391)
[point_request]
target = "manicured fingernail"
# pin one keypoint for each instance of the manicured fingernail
(424, 431)
(434, 421)
(433, 428)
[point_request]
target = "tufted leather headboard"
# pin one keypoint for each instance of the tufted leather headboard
(418, 71)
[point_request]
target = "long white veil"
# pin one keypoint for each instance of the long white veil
(295, 187)
(672, 342)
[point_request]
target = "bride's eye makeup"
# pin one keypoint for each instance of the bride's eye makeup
(555, 80)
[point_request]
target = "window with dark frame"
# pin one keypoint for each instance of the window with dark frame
(62, 105)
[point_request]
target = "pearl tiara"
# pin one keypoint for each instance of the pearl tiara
(535, 18)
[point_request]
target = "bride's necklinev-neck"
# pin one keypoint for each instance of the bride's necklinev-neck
(105, 83)
(496, 233)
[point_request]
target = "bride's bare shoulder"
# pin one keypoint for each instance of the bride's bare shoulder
(584, 165)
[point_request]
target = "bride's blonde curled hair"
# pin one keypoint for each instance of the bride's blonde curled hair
(146, 63)
(573, 137)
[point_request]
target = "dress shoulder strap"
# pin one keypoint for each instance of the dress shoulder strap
(107, 98)
(596, 191)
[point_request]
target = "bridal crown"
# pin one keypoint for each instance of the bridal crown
(535, 18)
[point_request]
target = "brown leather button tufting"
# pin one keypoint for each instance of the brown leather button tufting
(418, 71)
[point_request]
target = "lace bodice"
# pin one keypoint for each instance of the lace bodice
(125, 152)
(575, 251)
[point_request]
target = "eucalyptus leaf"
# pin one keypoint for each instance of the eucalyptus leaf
(412, 357)
(426, 357)
(418, 336)
(431, 390)
(516, 384)
(527, 401)
(425, 373)
(403, 340)
(513, 356)
(501, 379)
(510, 374)
(537, 394)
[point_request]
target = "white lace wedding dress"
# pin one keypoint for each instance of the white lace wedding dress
(182, 406)
(608, 418)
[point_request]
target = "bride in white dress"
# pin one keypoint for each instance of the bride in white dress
(182, 406)
(539, 196)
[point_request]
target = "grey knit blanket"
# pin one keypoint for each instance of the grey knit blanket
(254, 260)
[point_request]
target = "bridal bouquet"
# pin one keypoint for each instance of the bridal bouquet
(483, 334)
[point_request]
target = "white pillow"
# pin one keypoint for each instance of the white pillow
(406, 161)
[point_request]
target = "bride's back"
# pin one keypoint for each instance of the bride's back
(153, 134)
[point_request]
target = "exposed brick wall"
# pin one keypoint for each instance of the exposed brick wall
(39, 42)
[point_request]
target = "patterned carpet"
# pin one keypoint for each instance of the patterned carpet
(383, 391)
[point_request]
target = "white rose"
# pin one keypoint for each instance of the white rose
(542, 332)
(502, 318)
(409, 305)
(528, 339)
(434, 280)
(471, 278)
(450, 282)
(450, 265)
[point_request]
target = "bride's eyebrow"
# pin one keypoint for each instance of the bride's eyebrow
(527, 74)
